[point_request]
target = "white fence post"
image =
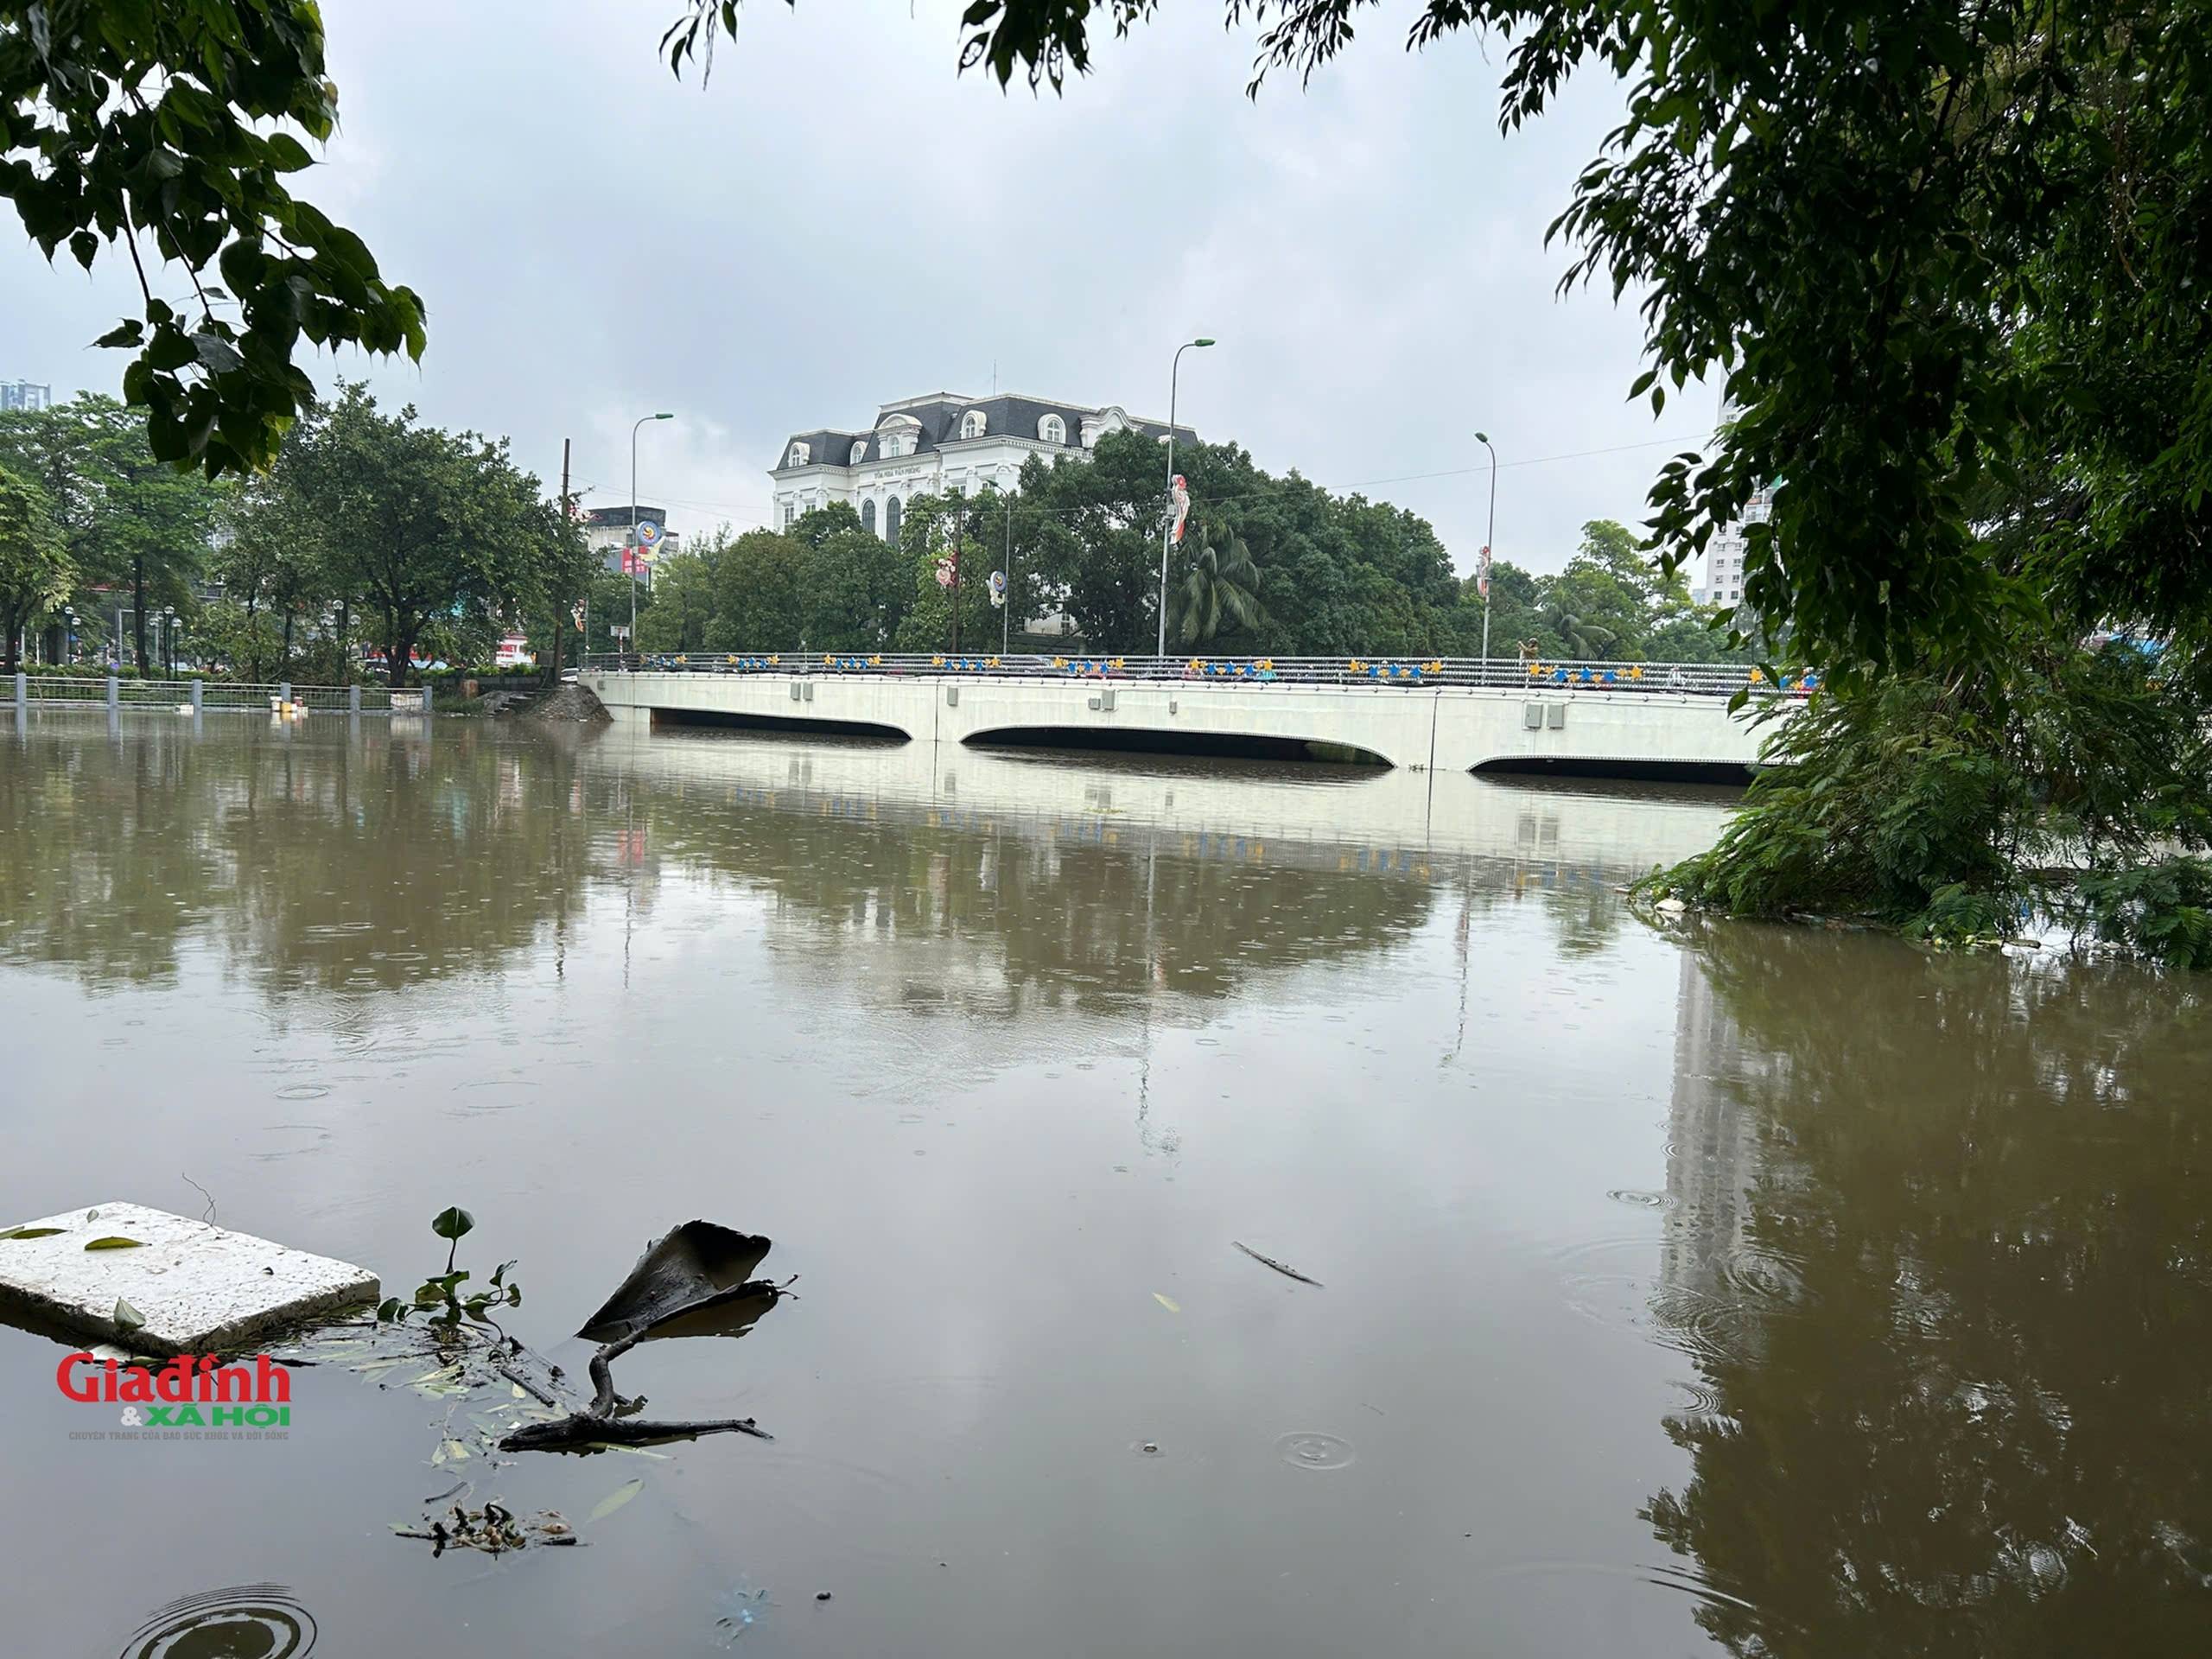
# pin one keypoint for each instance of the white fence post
(22, 692)
(199, 695)
(352, 699)
(114, 699)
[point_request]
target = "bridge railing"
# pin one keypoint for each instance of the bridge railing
(1546, 674)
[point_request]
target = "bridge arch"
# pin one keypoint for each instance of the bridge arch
(787, 725)
(1631, 769)
(1128, 739)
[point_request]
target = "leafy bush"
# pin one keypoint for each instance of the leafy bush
(2162, 911)
(2073, 784)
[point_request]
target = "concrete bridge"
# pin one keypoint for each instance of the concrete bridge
(1668, 721)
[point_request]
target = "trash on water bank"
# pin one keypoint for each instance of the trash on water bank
(492, 1530)
(694, 1281)
(168, 1284)
(698, 1269)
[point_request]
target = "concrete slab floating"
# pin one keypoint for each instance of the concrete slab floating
(202, 1288)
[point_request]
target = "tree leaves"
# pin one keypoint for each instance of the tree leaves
(117, 1242)
(615, 1499)
(181, 181)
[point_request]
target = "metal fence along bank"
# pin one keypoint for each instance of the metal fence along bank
(211, 696)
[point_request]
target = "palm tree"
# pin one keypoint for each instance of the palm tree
(1223, 585)
(1585, 641)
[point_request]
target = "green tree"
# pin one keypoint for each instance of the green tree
(34, 567)
(435, 534)
(927, 534)
(170, 131)
(857, 591)
(683, 609)
(274, 567)
(1583, 638)
(1095, 555)
(611, 597)
(760, 594)
(128, 519)
(2072, 785)
(1221, 585)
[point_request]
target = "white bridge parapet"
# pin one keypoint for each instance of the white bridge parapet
(1443, 727)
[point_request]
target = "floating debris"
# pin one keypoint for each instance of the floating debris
(1282, 1268)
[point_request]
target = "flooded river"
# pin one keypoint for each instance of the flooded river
(1728, 1290)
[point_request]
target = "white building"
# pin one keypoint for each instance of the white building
(1722, 583)
(25, 394)
(938, 443)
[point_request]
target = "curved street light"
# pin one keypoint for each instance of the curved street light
(1167, 529)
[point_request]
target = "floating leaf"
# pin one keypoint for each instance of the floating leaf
(1167, 1302)
(615, 1499)
(453, 1221)
(127, 1317)
(454, 1452)
(31, 1232)
(117, 1242)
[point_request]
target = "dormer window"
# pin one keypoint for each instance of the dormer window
(860, 453)
(1052, 429)
(972, 423)
(898, 435)
(798, 455)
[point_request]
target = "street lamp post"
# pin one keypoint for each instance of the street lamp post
(632, 558)
(1490, 540)
(69, 633)
(1167, 529)
(168, 638)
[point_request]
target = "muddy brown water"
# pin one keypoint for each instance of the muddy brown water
(1729, 1289)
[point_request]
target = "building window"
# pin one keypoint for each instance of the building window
(867, 516)
(860, 453)
(972, 423)
(1052, 429)
(790, 513)
(891, 520)
(800, 453)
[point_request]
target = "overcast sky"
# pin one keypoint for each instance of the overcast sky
(837, 220)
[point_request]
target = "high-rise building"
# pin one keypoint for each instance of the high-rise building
(24, 394)
(1723, 582)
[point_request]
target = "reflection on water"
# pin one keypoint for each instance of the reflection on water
(253, 1621)
(1938, 1249)
(1729, 1289)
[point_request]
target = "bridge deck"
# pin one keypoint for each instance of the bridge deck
(1432, 725)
